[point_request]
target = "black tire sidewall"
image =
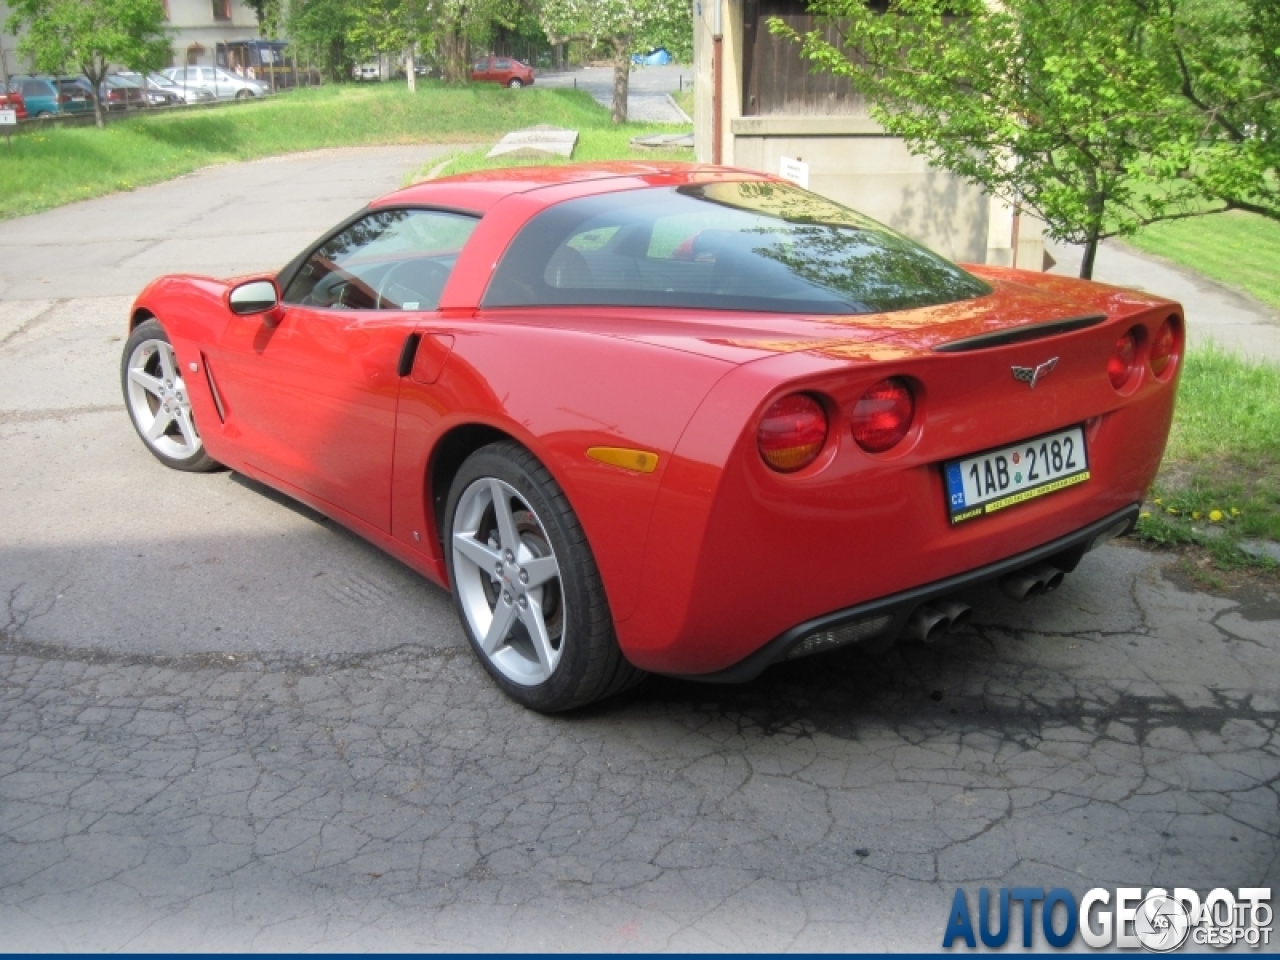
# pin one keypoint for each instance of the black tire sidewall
(577, 570)
(198, 462)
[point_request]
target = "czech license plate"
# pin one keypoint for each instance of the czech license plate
(982, 484)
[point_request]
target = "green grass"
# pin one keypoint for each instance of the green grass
(684, 98)
(51, 167)
(1220, 481)
(1241, 250)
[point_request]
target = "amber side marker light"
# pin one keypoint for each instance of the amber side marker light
(641, 461)
(883, 415)
(792, 432)
(1165, 348)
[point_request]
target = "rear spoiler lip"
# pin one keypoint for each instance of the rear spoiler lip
(1022, 334)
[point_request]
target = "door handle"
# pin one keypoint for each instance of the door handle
(407, 354)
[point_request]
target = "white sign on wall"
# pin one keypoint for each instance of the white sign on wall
(8, 117)
(794, 170)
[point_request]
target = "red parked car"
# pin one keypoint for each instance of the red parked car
(504, 70)
(666, 417)
(12, 100)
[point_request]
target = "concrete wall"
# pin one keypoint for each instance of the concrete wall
(852, 161)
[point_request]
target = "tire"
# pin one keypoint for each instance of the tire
(550, 586)
(515, 83)
(243, 94)
(158, 402)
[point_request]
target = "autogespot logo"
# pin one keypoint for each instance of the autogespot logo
(1156, 920)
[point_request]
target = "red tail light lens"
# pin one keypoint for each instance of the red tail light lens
(792, 432)
(1120, 367)
(883, 416)
(1165, 348)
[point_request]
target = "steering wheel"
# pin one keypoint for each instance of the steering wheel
(423, 277)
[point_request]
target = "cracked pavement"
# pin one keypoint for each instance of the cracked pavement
(226, 723)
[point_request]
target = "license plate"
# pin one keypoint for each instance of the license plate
(982, 484)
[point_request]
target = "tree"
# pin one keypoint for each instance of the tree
(91, 35)
(1223, 59)
(1073, 110)
(322, 27)
(623, 24)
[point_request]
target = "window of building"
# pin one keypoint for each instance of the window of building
(222, 9)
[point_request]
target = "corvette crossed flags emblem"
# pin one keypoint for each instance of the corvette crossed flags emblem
(1033, 375)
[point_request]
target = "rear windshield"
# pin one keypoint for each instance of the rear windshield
(730, 246)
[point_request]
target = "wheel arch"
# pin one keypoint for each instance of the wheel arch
(139, 316)
(447, 457)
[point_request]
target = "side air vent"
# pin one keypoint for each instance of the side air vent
(1034, 331)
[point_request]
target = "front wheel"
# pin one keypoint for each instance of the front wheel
(243, 94)
(158, 402)
(526, 585)
(515, 83)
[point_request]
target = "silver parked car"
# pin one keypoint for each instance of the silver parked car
(158, 81)
(223, 85)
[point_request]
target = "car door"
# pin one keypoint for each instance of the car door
(480, 71)
(501, 70)
(312, 389)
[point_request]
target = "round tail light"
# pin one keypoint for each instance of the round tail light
(882, 417)
(792, 432)
(1124, 360)
(1165, 348)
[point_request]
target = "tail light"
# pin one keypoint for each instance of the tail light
(882, 417)
(792, 432)
(1165, 348)
(1124, 359)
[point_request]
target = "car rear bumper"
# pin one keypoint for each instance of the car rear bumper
(883, 619)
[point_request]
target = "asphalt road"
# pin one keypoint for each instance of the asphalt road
(226, 723)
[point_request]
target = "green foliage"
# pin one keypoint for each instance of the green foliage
(90, 35)
(626, 25)
(1099, 116)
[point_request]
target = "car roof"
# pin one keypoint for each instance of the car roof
(480, 190)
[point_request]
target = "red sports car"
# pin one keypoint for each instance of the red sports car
(664, 417)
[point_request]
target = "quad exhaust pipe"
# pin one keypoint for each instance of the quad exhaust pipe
(931, 622)
(1032, 581)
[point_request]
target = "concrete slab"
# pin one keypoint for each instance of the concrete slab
(542, 140)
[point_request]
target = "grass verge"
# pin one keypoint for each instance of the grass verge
(1238, 249)
(51, 167)
(1219, 484)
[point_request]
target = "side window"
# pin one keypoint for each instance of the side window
(389, 260)
(481, 66)
(502, 64)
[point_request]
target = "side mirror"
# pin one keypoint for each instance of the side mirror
(256, 296)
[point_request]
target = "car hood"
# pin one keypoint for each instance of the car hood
(1018, 298)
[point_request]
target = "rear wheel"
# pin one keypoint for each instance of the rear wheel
(526, 585)
(159, 405)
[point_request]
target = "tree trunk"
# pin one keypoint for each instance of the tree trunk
(95, 76)
(621, 76)
(1096, 205)
(455, 53)
(410, 75)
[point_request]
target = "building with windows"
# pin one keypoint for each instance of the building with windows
(757, 102)
(200, 32)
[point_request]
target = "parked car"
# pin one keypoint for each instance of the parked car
(654, 58)
(39, 95)
(123, 93)
(667, 417)
(11, 99)
(223, 85)
(158, 81)
(160, 91)
(504, 70)
(76, 94)
(366, 71)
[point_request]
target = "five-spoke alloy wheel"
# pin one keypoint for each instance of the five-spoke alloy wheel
(526, 585)
(156, 396)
